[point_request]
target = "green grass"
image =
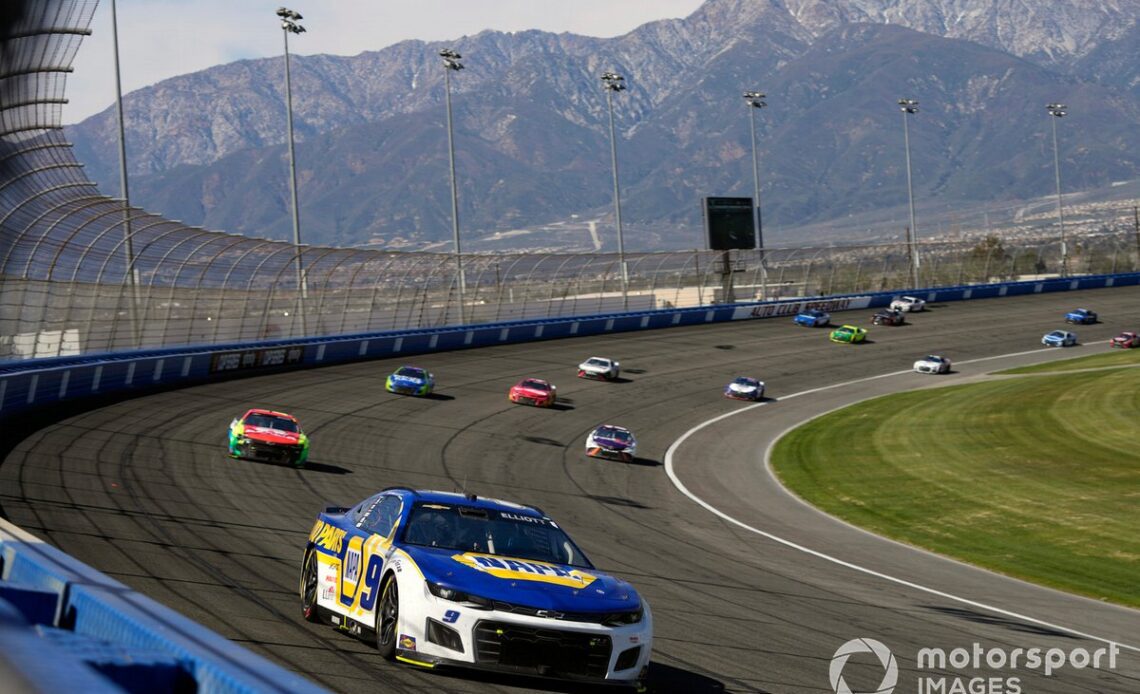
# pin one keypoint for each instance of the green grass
(1034, 477)
(1117, 357)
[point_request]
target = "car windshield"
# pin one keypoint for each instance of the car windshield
(1056, 333)
(267, 421)
(409, 372)
(615, 434)
(537, 385)
(745, 381)
(931, 357)
(595, 361)
(490, 531)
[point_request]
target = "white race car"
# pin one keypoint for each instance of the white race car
(932, 364)
(599, 367)
(745, 388)
(908, 303)
(610, 441)
(438, 579)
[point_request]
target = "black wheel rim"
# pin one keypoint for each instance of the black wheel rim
(310, 596)
(389, 612)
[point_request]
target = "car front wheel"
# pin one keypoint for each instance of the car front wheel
(309, 587)
(387, 616)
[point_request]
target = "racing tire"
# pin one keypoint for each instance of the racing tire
(387, 618)
(309, 586)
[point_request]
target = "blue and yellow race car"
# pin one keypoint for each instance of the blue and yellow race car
(445, 579)
(410, 380)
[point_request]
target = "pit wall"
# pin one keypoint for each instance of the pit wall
(64, 626)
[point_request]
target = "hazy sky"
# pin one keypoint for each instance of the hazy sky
(163, 38)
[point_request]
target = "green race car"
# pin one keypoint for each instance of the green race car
(849, 334)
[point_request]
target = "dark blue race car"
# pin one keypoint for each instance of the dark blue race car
(442, 579)
(1081, 316)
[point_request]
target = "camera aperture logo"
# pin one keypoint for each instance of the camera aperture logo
(886, 658)
(973, 670)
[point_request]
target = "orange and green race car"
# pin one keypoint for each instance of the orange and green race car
(269, 436)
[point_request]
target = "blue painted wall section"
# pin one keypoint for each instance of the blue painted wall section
(66, 627)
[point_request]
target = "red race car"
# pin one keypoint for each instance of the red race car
(533, 391)
(1127, 340)
(270, 436)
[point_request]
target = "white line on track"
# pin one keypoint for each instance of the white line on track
(669, 470)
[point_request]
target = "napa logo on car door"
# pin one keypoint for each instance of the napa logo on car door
(525, 570)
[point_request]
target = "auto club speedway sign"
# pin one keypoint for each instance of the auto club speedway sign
(791, 308)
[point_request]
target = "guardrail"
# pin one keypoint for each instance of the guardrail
(66, 627)
(52, 607)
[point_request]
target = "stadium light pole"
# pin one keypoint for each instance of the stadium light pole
(1059, 111)
(451, 64)
(289, 25)
(908, 107)
(755, 101)
(614, 82)
(128, 242)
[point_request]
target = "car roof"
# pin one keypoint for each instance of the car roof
(459, 499)
(271, 413)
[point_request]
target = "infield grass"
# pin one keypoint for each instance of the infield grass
(1117, 357)
(1036, 477)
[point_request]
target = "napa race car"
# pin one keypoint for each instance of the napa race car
(1126, 339)
(1081, 316)
(908, 303)
(599, 367)
(410, 380)
(269, 436)
(533, 391)
(932, 364)
(888, 316)
(610, 441)
(849, 334)
(1059, 338)
(745, 388)
(438, 579)
(812, 318)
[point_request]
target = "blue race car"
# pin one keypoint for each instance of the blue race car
(1081, 316)
(1059, 338)
(812, 318)
(410, 380)
(443, 579)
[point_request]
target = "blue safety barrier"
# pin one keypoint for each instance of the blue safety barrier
(66, 627)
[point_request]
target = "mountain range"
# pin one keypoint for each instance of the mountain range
(531, 131)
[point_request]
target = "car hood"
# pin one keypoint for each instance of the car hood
(531, 392)
(272, 435)
(741, 387)
(595, 367)
(536, 584)
(407, 380)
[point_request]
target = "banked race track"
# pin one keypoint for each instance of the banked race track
(751, 590)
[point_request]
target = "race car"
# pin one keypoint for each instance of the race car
(439, 579)
(849, 334)
(269, 436)
(1059, 338)
(908, 303)
(614, 442)
(1081, 316)
(888, 316)
(932, 364)
(533, 391)
(410, 380)
(812, 318)
(1126, 339)
(599, 367)
(745, 388)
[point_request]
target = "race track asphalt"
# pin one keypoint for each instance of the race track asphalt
(143, 490)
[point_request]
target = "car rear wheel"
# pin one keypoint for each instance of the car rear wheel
(309, 608)
(387, 617)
